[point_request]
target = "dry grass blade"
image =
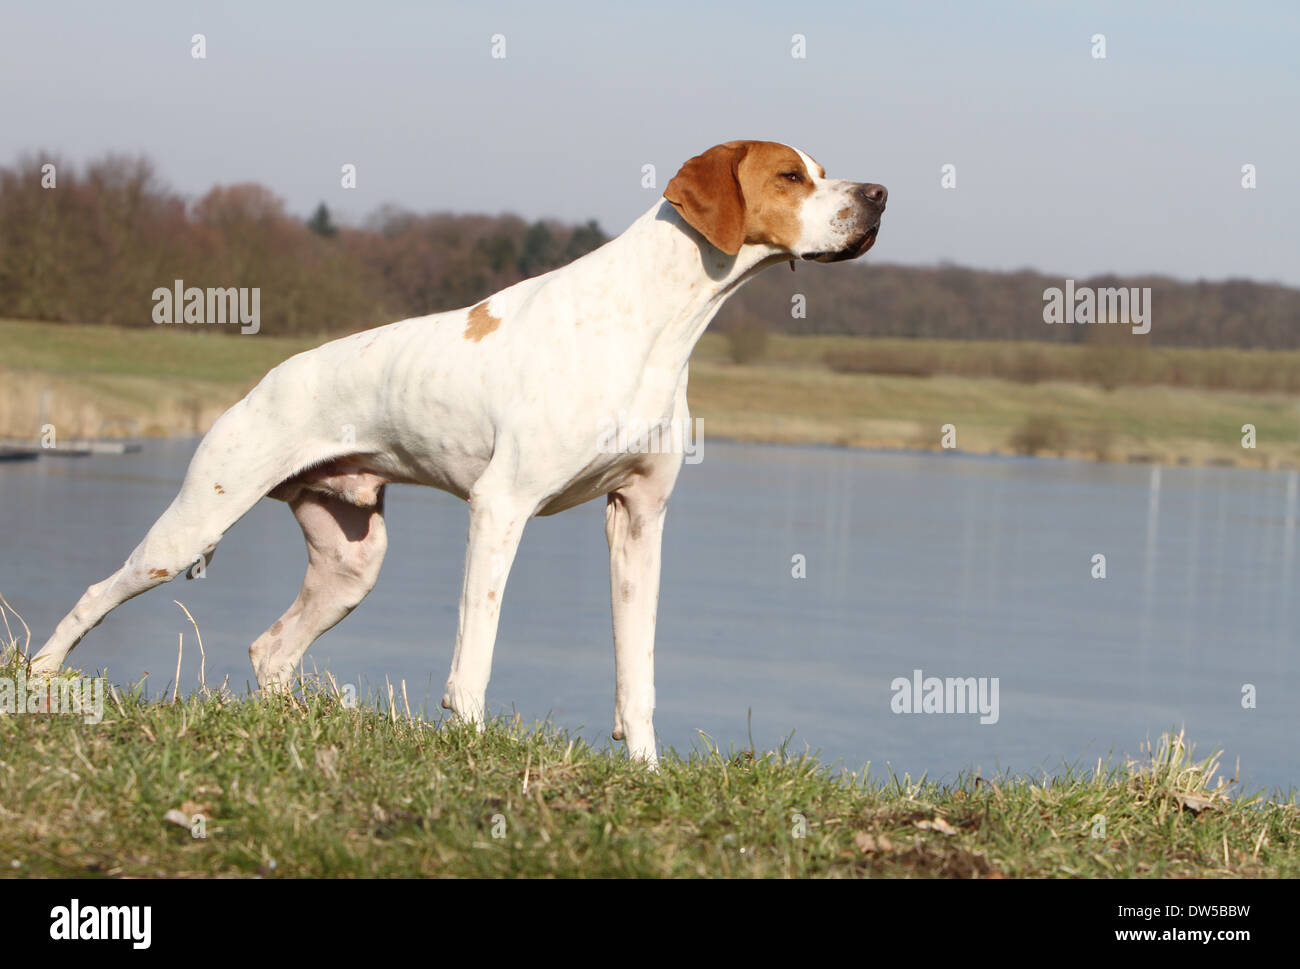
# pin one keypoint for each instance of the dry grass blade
(5, 609)
(180, 637)
(203, 656)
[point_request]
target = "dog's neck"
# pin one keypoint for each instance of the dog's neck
(672, 257)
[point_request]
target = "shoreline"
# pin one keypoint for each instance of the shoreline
(117, 444)
(101, 383)
(117, 408)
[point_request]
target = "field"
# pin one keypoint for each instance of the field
(1169, 406)
(213, 784)
(219, 784)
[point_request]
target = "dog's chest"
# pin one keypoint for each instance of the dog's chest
(622, 438)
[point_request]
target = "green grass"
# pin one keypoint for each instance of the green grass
(1122, 361)
(170, 352)
(310, 786)
(807, 405)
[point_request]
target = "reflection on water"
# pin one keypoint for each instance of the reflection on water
(956, 566)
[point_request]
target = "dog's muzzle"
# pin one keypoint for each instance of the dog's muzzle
(870, 199)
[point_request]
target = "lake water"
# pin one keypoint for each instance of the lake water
(953, 565)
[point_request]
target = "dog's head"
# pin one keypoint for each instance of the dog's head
(764, 193)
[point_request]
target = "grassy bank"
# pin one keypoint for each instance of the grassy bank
(108, 381)
(212, 784)
(803, 391)
(1001, 398)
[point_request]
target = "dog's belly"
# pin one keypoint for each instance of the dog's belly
(358, 478)
(593, 482)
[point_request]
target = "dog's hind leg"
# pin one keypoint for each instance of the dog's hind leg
(345, 548)
(186, 534)
(231, 470)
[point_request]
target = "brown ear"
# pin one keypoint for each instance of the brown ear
(707, 193)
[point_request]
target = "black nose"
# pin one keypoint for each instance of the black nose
(875, 193)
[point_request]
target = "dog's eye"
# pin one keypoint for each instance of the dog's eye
(792, 176)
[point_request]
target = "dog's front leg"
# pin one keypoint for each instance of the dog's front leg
(634, 525)
(496, 523)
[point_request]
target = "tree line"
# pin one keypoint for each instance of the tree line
(954, 303)
(93, 247)
(90, 244)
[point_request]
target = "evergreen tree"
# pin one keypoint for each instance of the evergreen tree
(321, 223)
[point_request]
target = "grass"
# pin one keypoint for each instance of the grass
(808, 405)
(170, 381)
(112, 381)
(1123, 360)
(212, 784)
(166, 352)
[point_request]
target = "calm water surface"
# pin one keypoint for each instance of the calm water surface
(957, 566)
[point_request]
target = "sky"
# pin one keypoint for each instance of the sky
(1065, 163)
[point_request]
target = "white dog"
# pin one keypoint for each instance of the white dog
(501, 404)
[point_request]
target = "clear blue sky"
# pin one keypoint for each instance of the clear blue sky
(1064, 163)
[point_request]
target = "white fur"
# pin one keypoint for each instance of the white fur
(509, 421)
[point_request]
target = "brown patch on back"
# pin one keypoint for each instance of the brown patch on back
(157, 573)
(481, 322)
(220, 490)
